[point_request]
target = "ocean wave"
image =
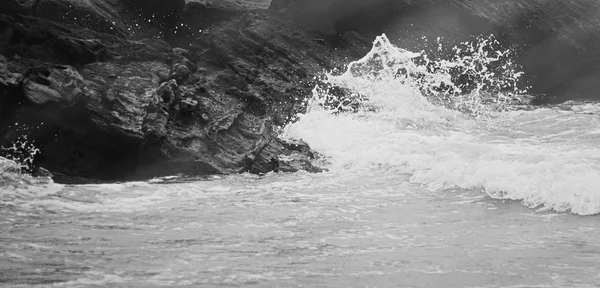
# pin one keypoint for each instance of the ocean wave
(401, 117)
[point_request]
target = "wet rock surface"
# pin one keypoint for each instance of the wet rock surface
(104, 106)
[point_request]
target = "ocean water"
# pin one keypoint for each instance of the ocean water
(429, 184)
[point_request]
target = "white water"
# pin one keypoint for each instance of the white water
(417, 195)
(548, 158)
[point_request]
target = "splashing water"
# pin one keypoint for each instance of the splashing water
(451, 124)
(22, 153)
(484, 78)
(479, 78)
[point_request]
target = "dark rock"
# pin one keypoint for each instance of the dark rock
(297, 156)
(120, 102)
(140, 50)
(36, 38)
(273, 62)
(9, 82)
(199, 15)
(204, 117)
(88, 119)
(99, 15)
(168, 91)
(52, 83)
(42, 172)
(354, 44)
(8, 78)
(155, 19)
(181, 67)
(234, 5)
(81, 50)
(254, 103)
(188, 105)
(100, 106)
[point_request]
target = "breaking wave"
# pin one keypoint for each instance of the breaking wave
(457, 123)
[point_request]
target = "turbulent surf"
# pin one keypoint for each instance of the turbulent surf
(439, 173)
(401, 111)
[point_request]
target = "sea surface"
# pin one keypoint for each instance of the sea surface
(422, 190)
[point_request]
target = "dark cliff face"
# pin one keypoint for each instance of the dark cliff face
(557, 41)
(134, 105)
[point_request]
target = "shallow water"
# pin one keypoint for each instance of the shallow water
(417, 195)
(319, 230)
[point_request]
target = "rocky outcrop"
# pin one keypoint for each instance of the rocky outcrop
(100, 14)
(239, 5)
(102, 106)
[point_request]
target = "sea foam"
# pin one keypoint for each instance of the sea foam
(404, 112)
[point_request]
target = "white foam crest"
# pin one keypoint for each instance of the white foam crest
(389, 122)
(546, 176)
(22, 152)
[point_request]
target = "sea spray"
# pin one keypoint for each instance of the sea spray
(398, 111)
(21, 153)
(391, 89)
(478, 79)
(484, 77)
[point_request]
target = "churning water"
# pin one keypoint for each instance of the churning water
(436, 179)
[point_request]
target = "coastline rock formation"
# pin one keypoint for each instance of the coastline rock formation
(104, 106)
(133, 89)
